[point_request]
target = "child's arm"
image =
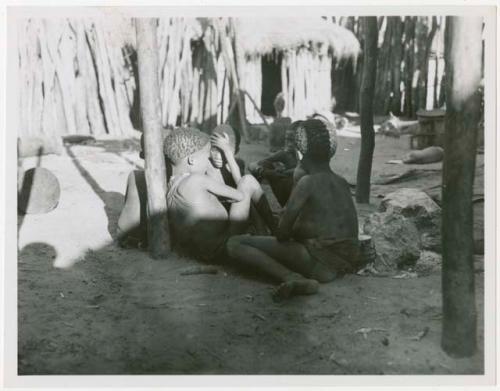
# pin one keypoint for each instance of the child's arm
(221, 190)
(222, 142)
(214, 173)
(298, 198)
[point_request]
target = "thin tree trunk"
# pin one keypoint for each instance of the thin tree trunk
(463, 105)
(425, 68)
(409, 63)
(239, 64)
(418, 92)
(397, 57)
(147, 56)
(234, 80)
(383, 69)
(366, 109)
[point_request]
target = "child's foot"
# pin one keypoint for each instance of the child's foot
(295, 286)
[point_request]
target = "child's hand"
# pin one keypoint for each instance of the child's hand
(222, 142)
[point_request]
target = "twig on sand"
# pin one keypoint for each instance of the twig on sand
(366, 330)
(444, 366)
(257, 315)
(420, 335)
(199, 270)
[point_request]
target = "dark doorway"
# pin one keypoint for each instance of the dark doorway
(271, 81)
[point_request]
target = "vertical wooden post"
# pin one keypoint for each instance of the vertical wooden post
(397, 57)
(156, 182)
(463, 105)
(370, 29)
(409, 62)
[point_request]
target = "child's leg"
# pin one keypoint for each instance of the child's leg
(281, 260)
(282, 188)
(240, 212)
(132, 222)
(249, 185)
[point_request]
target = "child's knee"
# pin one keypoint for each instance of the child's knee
(233, 245)
(248, 183)
(253, 167)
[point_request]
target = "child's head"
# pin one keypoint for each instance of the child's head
(189, 146)
(316, 140)
(279, 103)
(234, 140)
(290, 136)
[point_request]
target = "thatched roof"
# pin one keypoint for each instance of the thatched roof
(261, 35)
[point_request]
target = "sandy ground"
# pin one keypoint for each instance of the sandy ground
(89, 307)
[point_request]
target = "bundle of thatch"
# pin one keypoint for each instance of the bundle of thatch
(261, 36)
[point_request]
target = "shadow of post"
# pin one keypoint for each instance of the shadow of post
(109, 198)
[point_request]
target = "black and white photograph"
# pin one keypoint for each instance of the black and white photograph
(250, 193)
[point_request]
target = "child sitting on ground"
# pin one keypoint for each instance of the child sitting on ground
(278, 169)
(199, 223)
(132, 230)
(317, 237)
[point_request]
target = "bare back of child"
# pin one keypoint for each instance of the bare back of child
(317, 234)
(199, 223)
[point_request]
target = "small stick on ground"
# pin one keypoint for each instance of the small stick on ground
(199, 270)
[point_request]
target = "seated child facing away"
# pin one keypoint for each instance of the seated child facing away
(132, 230)
(317, 237)
(199, 223)
(278, 169)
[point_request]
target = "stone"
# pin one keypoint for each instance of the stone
(425, 156)
(396, 240)
(429, 262)
(39, 193)
(420, 209)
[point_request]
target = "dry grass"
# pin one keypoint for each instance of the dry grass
(261, 36)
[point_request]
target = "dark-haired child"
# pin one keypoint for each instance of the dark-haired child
(199, 223)
(279, 168)
(317, 237)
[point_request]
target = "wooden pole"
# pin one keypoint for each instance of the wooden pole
(366, 109)
(232, 67)
(156, 183)
(258, 111)
(396, 65)
(409, 63)
(463, 105)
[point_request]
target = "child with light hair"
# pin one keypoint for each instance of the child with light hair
(199, 223)
(317, 236)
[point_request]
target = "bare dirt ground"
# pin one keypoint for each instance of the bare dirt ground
(87, 306)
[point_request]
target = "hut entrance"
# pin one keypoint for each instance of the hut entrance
(271, 81)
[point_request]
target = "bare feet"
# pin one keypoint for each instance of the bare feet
(296, 285)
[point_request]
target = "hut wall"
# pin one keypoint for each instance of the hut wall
(306, 81)
(72, 79)
(253, 85)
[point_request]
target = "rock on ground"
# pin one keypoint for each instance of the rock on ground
(428, 263)
(396, 238)
(421, 210)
